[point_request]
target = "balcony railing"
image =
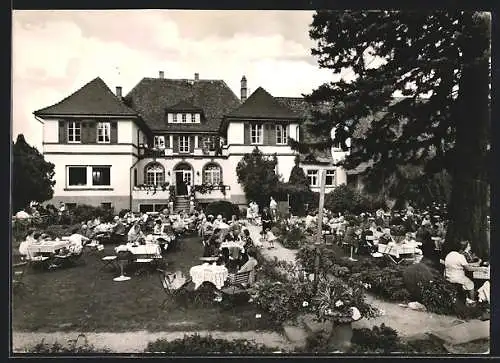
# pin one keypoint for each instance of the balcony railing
(148, 152)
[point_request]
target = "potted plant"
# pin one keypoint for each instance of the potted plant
(340, 304)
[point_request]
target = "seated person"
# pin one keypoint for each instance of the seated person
(210, 248)
(135, 234)
(469, 255)
(249, 265)
(119, 231)
(158, 227)
(247, 239)
(29, 240)
(455, 266)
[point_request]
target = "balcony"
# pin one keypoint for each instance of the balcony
(150, 192)
(211, 192)
(148, 152)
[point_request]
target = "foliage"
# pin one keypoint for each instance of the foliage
(71, 347)
(414, 275)
(298, 195)
(32, 176)
(282, 301)
(384, 282)
(440, 62)
(60, 230)
(335, 300)
(377, 340)
(291, 236)
(438, 295)
(223, 207)
(398, 230)
(122, 212)
(256, 173)
(84, 213)
(207, 188)
(346, 199)
(197, 345)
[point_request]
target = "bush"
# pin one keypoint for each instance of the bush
(59, 230)
(122, 213)
(225, 208)
(71, 347)
(345, 198)
(84, 213)
(385, 282)
(292, 238)
(415, 274)
(438, 296)
(198, 345)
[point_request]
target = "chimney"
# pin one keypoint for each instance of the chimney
(161, 75)
(243, 89)
(118, 91)
(196, 76)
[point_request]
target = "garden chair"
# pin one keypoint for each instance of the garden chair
(109, 261)
(237, 283)
(144, 265)
(167, 283)
(18, 273)
(36, 260)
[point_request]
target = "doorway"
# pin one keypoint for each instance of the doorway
(183, 174)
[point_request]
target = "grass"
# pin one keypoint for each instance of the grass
(82, 298)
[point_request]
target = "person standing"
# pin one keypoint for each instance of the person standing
(273, 206)
(267, 222)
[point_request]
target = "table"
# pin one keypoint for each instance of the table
(482, 273)
(217, 275)
(47, 246)
(152, 250)
(397, 250)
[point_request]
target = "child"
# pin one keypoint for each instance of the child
(270, 237)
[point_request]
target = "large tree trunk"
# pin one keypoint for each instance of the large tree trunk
(468, 207)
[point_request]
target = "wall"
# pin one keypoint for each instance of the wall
(235, 133)
(117, 202)
(51, 131)
(126, 131)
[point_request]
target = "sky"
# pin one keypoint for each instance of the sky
(55, 52)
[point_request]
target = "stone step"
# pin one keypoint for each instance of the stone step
(463, 333)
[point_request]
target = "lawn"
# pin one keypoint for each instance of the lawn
(82, 298)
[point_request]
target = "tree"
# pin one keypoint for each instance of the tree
(299, 188)
(31, 175)
(256, 173)
(439, 62)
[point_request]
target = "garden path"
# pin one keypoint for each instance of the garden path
(409, 323)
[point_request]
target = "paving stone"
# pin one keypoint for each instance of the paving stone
(296, 335)
(463, 333)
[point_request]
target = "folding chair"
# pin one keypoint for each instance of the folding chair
(109, 261)
(19, 270)
(35, 259)
(237, 283)
(167, 283)
(143, 264)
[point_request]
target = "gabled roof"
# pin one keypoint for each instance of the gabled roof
(94, 98)
(261, 104)
(151, 97)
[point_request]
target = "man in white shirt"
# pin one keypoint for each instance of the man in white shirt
(273, 208)
(77, 241)
(455, 265)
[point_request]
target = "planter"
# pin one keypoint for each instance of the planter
(340, 337)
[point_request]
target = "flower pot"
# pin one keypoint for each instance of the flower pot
(340, 337)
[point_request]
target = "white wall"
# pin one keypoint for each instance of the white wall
(293, 131)
(51, 131)
(236, 133)
(120, 164)
(87, 148)
(125, 132)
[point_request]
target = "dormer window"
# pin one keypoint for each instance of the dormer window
(185, 118)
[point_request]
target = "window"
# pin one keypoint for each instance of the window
(183, 118)
(101, 175)
(188, 116)
(77, 175)
(256, 134)
(106, 205)
(155, 174)
(212, 174)
(184, 144)
(159, 142)
(178, 118)
(312, 175)
(103, 132)
(196, 118)
(135, 178)
(74, 131)
(208, 143)
(70, 206)
(330, 178)
(144, 208)
(281, 135)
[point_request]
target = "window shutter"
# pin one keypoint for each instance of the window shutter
(272, 134)
(91, 132)
(170, 118)
(191, 144)
(62, 132)
(267, 134)
(84, 132)
(167, 141)
(114, 132)
(197, 118)
(246, 138)
(176, 144)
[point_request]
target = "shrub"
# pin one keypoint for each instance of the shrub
(379, 339)
(71, 347)
(384, 282)
(225, 208)
(415, 274)
(292, 238)
(122, 212)
(84, 212)
(438, 296)
(59, 230)
(197, 345)
(281, 301)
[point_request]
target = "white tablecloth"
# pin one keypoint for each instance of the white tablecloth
(396, 250)
(217, 275)
(47, 247)
(147, 249)
(483, 273)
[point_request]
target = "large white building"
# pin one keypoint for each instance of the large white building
(129, 152)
